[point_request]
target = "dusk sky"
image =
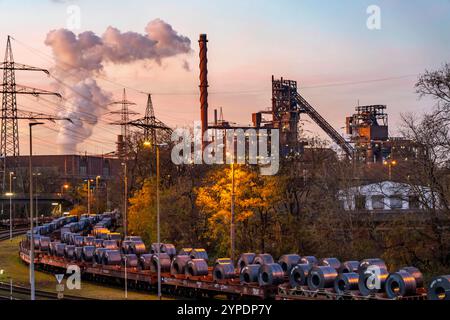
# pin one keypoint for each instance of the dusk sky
(318, 43)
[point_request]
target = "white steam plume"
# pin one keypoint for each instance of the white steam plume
(78, 59)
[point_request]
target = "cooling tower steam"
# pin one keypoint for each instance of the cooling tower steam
(80, 58)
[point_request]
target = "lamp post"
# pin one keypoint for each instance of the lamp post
(390, 163)
(125, 198)
(158, 230)
(10, 195)
(32, 284)
(232, 226)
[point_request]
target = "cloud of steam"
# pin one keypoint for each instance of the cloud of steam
(78, 59)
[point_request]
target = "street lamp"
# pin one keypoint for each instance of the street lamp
(390, 164)
(125, 198)
(232, 226)
(10, 194)
(32, 284)
(89, 195)
(158, 231)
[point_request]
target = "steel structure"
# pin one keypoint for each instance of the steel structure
(9, 140)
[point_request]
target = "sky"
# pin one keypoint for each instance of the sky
(319, 43)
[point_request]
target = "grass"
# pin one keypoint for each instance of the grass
(13, 268)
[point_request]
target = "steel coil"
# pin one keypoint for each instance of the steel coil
(250, 273)
(154, 248)
(223, 271)
(288, 261)
(169, 249)
(400, 283)
(321, 277)
(199, 254)
(60, 249)
(346, 282)
(223, 261)
(138, 247)
(185, 252)
(165, 262)
(126, 246)
(270, 274)
(78, 241)
(112, 258)
(196, 267)
(364, 264)
(69, 251)
(299, 274)
(79, 253)
(89, 241)
(36, 239)
(416, 274)
(263, 258)
(110, 244)
(98, 243)
(309, 260)
(178, 265)
(373, 280)
(145, 261)
(44, 243)
(98, 255)
(52, 247)
(131, 260)
(88, 253)
(245, 259)
(330, 262)
(349, 266)
(439, 288)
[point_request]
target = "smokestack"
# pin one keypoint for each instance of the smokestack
(203, 83)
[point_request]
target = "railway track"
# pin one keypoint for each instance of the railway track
(23, 293)
(4, 235)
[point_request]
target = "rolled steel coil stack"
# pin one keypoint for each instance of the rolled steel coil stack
(309, 260)
(321, 277)
(52, 247)
(78, 241)
(60, 249)
(185, 251)
(196, 268)
(178, 265)
(89, 241)
(110, 244)
(417, 274)
(263, 258)
(223, 270)
(349, 266)
(137, 247)
(330, 262)
(145, 261)
(245, 259)
(98, 255)
(288, 261)
(223, 261)
(250, 274)
(270, 274)
(88, 253)
(79, 253)
(400, 284)
(199, 254)
(439, 288)
(112, 258)
(346, 282)
(165, 262)
(126, 246)
(44, 243)
(98, 243)
(131, 260)
(69, 252)
(169, 249)
(299, 275)
(155, 247)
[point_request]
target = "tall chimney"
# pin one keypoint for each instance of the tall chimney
(203, 83)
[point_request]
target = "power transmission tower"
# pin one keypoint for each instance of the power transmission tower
(150, 122)
(9, 140)
(124, 119)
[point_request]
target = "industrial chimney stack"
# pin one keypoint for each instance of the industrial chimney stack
(203, 83)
